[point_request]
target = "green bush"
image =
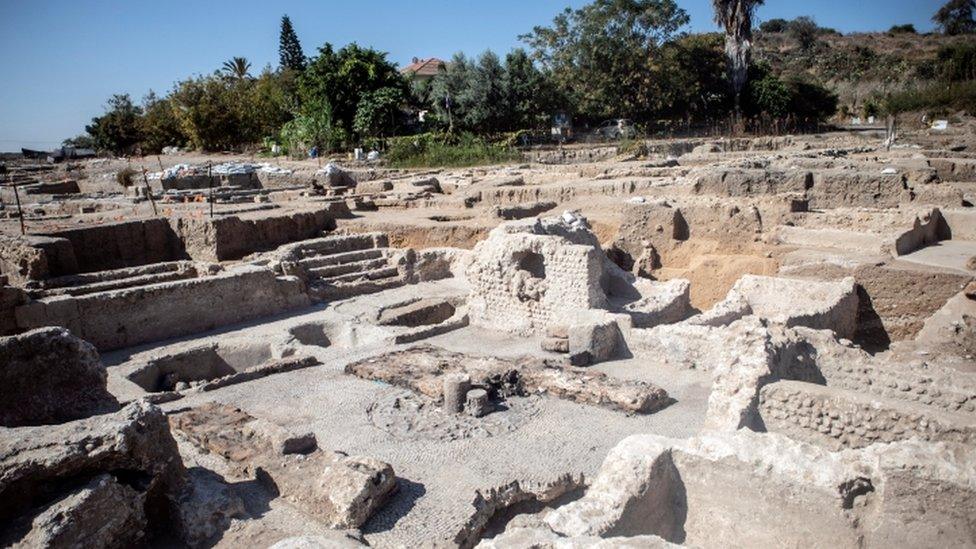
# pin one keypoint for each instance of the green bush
(313, 128)
(768, 95)
(774, 25)
(957, 62)
(160, 125)
(440, 150)
(936, 98)
(118, 130)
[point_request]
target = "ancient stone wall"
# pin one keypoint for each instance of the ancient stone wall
(227, 238)
(523, 281)
(837, 418)
(764, 490)
(122, 244)
(123, 318)
(27, 258)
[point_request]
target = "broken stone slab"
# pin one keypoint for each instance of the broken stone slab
(102, 513)
(374, 187)
(555, 345)
(747, 489)
(50, 376)
(557, 331)
(284, 441)
(421, 369)
(40, 464)
(659, 303)
(497, 500)
(341, 491)
(206, 507)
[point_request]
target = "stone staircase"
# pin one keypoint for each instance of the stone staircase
(117, 279)
(336, 267)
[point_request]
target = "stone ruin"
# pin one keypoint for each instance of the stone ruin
(746, 342)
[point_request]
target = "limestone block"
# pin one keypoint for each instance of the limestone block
(600, 340)
(51, 376)
(103, 514)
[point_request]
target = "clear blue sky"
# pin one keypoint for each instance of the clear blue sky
(60, 60)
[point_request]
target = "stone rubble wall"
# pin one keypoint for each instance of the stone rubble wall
(837, 418)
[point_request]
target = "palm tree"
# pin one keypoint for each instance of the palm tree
(736, 17)
(237, 68)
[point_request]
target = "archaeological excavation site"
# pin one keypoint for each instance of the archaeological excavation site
(634, 283)
(750, 342)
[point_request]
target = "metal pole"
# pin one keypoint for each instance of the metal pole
(152, 200)
(211, 185)
(20, 212)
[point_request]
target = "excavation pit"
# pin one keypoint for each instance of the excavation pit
(198, 364)
(423, 312)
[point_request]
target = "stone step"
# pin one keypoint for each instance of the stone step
(341, 258)
(97, 277)
(346, 268)
(334, 245)
(323, 292)
(118, 284)
(372, 274)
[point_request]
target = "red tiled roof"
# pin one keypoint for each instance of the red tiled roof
(424, 67)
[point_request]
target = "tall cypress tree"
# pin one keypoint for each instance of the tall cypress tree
(289, 49)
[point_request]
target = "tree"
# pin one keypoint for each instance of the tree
(692, 77)
(528, 93)
(804, 30)
(378, 112)
(270, 101)
(447, 91)
(907, 28)
(340, 78)
(774, 25)
(290, 55)
(160, 125)
(484, 96)
(238, 68)
(312, 128)
(211, 113)
(79, 141)
(599, 54)
(735, 16)
(119, 129)
(956, 17)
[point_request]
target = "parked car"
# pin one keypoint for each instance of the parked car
(618, 128)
